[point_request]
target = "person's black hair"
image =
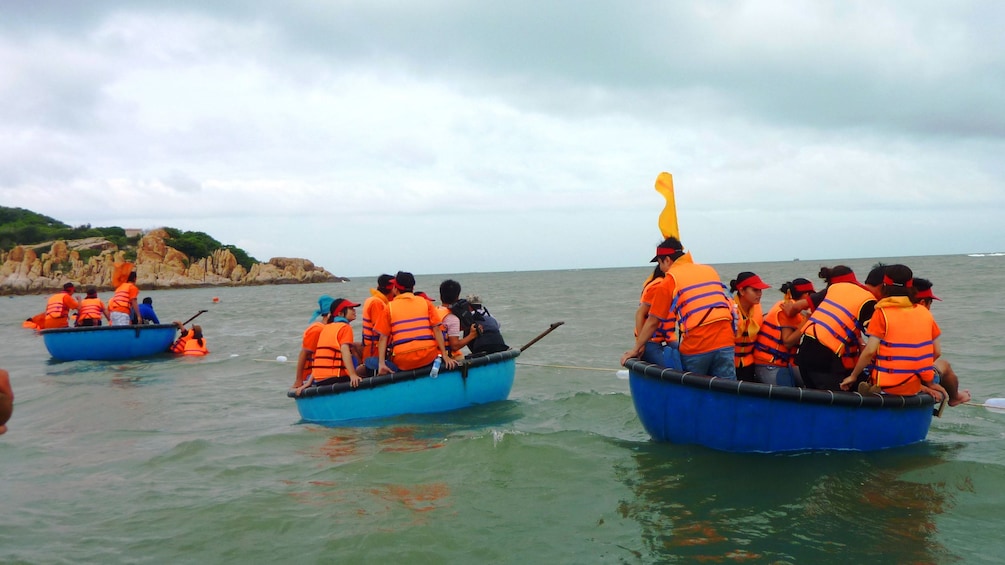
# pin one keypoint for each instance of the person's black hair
(148, 300)
(657, 273)
(384, 283)
(132, 277)
(921, 285)
(827, 273)
(405, 280)
(450, 291)
(875, 276)
(673, 243)
(790, 288)
(901, 281)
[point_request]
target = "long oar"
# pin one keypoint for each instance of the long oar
(993, 404)
(199, 313)
(550, 329)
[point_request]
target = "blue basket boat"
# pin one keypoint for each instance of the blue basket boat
(740, 416)
(478, 380)
(107, 343)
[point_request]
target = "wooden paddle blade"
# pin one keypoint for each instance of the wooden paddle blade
(668, 217)
(121, 273)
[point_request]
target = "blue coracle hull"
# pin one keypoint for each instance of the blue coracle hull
(739, 416)
(481, 380)
(106, 343)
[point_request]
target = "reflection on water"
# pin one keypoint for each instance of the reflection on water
(695, 504)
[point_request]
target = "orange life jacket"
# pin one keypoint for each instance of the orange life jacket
(55, 308)
(411, 328)
(178, 347)
(768, 347)
(121, 300)
(373, 308)
(328, 361)
(666, 331)
(906, 354)
(91, 309)
(746, 334)
(699, 297)
(835, 324)
(194, 348)
(309, 360)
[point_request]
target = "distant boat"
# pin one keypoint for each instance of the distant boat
(478, 380)
(108, 343)
(741, 417)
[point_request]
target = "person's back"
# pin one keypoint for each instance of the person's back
(123, 305)
(147, 311)
(92, 309)
(411, 327)
(489, 331)
(58, 306)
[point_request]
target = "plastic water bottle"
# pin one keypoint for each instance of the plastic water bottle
(436, 367)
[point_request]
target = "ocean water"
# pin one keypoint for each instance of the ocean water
(205, 460)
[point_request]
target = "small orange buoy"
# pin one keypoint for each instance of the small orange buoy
(216, 299)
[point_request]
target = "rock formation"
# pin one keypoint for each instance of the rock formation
(158, 266)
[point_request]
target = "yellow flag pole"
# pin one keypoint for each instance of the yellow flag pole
(668, 217)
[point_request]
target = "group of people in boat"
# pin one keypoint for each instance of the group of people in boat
(122, 309)
(402, 329)
(876, 336)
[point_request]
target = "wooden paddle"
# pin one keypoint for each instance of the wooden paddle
(199, 313)
(544, 333)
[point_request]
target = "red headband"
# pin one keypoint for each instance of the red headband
(804, 287)
(850, 277)
(927, 293)
(889, 282)
(666, 251)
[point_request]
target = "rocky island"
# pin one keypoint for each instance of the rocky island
(26, 269)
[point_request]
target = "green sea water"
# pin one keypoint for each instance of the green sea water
(205, 460)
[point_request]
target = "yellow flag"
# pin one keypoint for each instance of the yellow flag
(121, 273)
(668, 217)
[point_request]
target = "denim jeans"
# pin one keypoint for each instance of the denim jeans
(716, 363)
(664, 356)
(371, 364)
(773, 375)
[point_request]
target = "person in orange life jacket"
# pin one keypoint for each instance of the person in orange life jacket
(944, 373)
(747, 289)
(375, 308)
(903, 342)
(831, 340)
(488, 330)
(874, 280)
(696, 296)
(36, 322)
(92, 309)
(411, 327)
(58, 306)
(450, 294)
(6, 401)
(123, 305)
(775, 346)
(190, 342)
(662, 348)
(333, 358)
(309, 342)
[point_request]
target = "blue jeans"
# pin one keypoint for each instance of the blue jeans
(716, 363)
(774, 375)
(371, 364)
(664, 356)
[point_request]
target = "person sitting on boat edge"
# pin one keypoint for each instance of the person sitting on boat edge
(309, 341)
(704, 314)
(146, 309)
(375, 308)
(6, 400)
(903, 343)
(411, 328)
(747, 289)
(122, 306)
(334, 356)
(487, 328)
(190, 342)
(775, 346)
(58, 306)
(944, 373)
(832, 336)
(450, 294)
(92, 309)
(662, 349)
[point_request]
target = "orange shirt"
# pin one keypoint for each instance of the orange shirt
(419, 357)
(701, 339)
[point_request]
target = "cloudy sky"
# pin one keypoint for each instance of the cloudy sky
(444, 136)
